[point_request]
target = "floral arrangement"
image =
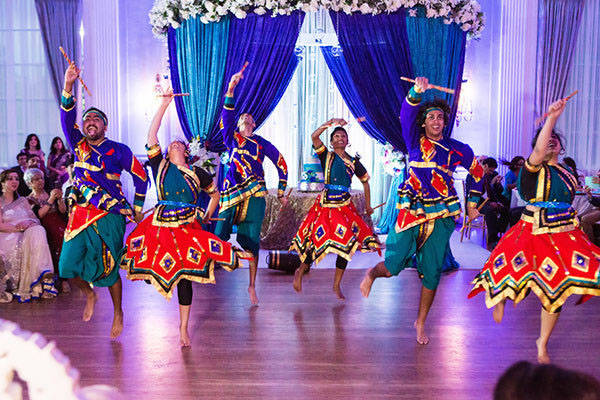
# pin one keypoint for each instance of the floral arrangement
(393, 160)
(171, 13)
(204, 158)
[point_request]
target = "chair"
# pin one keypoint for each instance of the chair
(477, 223)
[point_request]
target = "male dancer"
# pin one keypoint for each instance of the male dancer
(427, 199)
(94, 237)
(243, 190)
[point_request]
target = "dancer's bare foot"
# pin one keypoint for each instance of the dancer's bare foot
(338, 292)
(253, 296)
(298, 280)
(498, 312)
(90, 303)
(421, 335)
(542, 357)
(367, 282)
(184, 337)
(117, 326)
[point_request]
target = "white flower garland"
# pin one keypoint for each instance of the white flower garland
(171, 13)
(393, 160)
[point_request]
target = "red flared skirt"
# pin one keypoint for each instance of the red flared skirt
(340, 230)
(552, 265)
(165, 255)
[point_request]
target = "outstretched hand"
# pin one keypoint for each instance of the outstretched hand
(167, 97)
(237, 77)
(71, 75)
(422, 84)
(556, 108)
(336, 122)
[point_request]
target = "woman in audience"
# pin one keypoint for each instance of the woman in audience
(510, 182)
(52, 213)
(32, 146)
(23, 241)
(58, 159)
(510, 179)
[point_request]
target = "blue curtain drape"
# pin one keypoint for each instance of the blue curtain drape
(201, 56)
(558, 26)
(390, 212)
(174, 70)
(204, 56)
(343, 80)
(437, 51)
(268, 45)
(59, 22)
(376, 51)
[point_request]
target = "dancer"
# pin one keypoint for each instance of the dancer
(169, 247)
(427, 199)
(93, 243)
(333, 225)
(544, 252)
(243, 190)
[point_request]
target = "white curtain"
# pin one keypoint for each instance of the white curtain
(580, 123)
(27, 103)
(312, 99)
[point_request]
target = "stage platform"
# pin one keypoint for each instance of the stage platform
(309, 345)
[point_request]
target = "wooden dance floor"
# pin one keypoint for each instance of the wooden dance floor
(308, 346)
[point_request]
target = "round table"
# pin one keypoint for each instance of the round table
(280, 225)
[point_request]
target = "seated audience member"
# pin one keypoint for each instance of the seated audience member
(28, 262)
(20, 169)
(32, 146)
(589, 218)
(510, 179)
(495, 213)
(510, 182)
(58, 159)
(52, 213)
(526, 381)
(571, 163)
(34, 161)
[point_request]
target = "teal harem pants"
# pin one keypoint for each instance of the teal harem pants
(429, 247)
(95, 253)
(248, 216)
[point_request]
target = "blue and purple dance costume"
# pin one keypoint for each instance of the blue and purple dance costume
(428, 202)
(243, 190)
(93, 244)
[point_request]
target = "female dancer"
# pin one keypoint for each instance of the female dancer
(333, 225)
(545, 252)
(169, 247)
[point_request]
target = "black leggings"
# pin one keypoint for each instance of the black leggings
(184, 292)
(340, 262)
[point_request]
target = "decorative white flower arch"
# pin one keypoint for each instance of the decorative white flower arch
(171, 13)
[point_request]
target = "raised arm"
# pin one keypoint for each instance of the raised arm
(408, 113)
(228, 124)
(155, 124)
(140, 180)
(277, 158)
(541, 146)
(68, 114)
(316, 135)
